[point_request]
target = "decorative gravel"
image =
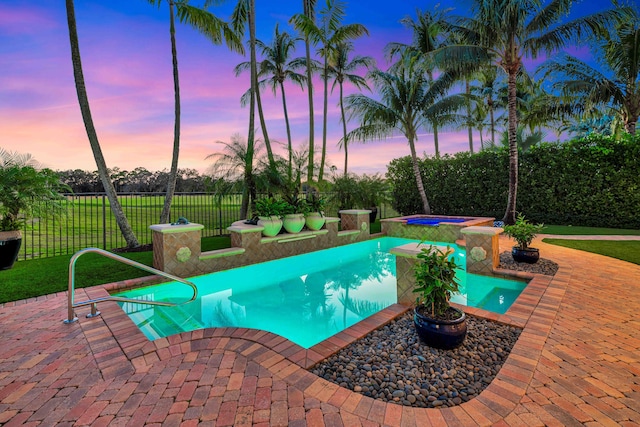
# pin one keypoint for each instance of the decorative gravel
(393, 365)
(543, 266)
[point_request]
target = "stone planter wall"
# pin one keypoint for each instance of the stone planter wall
(176, 248)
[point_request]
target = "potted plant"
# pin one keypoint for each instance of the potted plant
(314, 217)
(269, 210)
(26, 191)
(294, 210)
(523, 232)
(372, 192)
(438, 324)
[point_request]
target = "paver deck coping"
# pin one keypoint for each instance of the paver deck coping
(576, 362)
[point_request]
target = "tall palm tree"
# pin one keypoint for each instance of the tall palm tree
(617, 86)
(277, 68)
(243, 18)
(217, 31)
(506, 31)
(83, 100)
(407, 99)
(341, 68)
(327, 33)
(309, 10)
(428, 34)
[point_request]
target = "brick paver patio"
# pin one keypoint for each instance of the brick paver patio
(577, 362)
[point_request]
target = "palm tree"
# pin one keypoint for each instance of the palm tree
(83, 100)
(487, 91)
(341, 69)
(217, 31)
(428, 34)
(407, 100)
(237, 162)
(243, 17)
(506, 31)
(277, 68)
(328, 33)
(617, 86)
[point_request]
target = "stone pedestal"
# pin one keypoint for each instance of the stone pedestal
(482, 249)
(176, 248)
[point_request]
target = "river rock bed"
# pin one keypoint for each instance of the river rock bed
(543, 266)
(391, 364)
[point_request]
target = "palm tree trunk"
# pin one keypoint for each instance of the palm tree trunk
(286, 121)
(435, 140)
(307, 7)
(324, 120)
(416, 171)
(345, 142)
(493, 122)
(254, 81)
(470, 127)
(83, 100)
(249, 194)
(165, 216)
(510, 214)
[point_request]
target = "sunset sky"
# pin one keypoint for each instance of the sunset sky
(126, 55)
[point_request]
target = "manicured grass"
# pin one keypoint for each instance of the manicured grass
(569, 230)
(625, 250)
(28, 279)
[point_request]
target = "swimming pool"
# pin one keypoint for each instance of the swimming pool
(305, 298)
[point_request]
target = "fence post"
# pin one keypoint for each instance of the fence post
(104, 223)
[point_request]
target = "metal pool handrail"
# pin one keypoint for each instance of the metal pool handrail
(93, 302)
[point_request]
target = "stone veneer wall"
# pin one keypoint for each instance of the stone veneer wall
(177, 247)
(450, 233)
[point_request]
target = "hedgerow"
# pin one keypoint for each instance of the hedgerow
(594, 181)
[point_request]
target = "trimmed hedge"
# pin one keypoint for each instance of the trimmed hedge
(594, 181)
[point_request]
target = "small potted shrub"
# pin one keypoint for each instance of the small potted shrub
(437, 323)
(314, 217)
(294, 210)
(523, 232)
(26, 191)
(372, 193)
(269, 210)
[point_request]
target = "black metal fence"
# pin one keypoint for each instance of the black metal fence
(89, 222)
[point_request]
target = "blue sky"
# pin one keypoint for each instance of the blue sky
(126, 56)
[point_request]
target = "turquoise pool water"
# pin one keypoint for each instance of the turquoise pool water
(305, 298)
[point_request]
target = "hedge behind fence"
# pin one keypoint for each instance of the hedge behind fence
(591, 182)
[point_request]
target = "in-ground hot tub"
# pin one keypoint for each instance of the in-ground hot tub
(439, 228)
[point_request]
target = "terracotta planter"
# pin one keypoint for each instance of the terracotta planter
(10, 242)
(272, 225)
(443, 334)
(314, 221)
(293, 223)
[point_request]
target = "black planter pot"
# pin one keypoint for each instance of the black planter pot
(528, 255)
(443, 334)
(9, 249)
(373, 214)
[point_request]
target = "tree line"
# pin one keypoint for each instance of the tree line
(461, 72)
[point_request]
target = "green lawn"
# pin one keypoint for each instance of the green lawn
(625, 250)
(569, 230)
(28, 279)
